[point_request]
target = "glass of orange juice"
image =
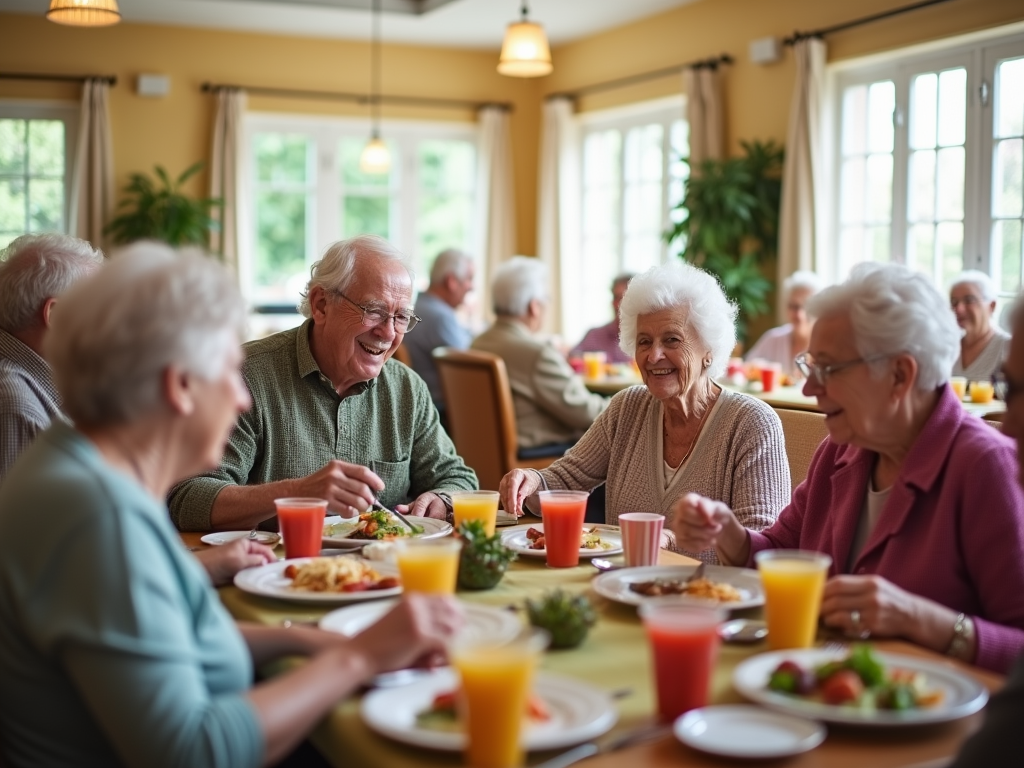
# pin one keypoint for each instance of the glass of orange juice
(495, 684)
(959, 385)
(982, 391)
(593, 364)
(476, 505)
(429, 566)
(793, 581)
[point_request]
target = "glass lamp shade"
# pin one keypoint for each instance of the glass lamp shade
(84, 13)
(375, 157)
(525, 52)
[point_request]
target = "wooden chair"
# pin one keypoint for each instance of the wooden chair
(402, 356)
(481, 417)
(804, 431)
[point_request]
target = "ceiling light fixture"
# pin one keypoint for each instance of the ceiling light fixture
(525, 52)
(84, 13)
(375, 157)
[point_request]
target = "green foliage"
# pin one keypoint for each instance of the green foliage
(484, 558)
(153, 211)
(732, 222)
(567, 617)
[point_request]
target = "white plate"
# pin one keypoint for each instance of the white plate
(516, 540)
(482, 621)
(740, 730)
(226, 537)
(615, 584)
(962, 695)
(579, 712)
(432, 529)
(269, 581)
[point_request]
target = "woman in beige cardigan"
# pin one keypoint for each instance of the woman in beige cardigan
(680, 431)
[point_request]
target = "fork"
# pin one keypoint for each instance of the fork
(252, 533)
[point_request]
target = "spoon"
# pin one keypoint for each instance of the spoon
(743, 631)
(605, 565)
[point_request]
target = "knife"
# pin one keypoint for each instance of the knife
(399, 515)
(697, 573)
(590, 749)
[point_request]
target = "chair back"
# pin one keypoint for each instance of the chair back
(804, 431)
(402, 356)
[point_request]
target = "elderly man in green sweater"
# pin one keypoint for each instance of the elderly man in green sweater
(332, 416)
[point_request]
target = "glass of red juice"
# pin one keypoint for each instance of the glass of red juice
(563, 513)
(684, 644)
(302, 525)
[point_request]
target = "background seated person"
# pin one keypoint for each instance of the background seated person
(115, 648)
(914, 499)
(680, 431)
(332, 416)
(605, 338)
(782, 344)
(451, 278)
(984, 345)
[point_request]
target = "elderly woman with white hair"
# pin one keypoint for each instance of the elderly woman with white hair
(681, 432)
(781, 345)
(114, 649)
(984, 345)
(914, 499)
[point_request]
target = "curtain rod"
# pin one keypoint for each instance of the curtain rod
(358, 98)
(608, 85)
(109, 79)
(798, 36)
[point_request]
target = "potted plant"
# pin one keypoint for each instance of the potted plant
(159, 210)
(731, 223)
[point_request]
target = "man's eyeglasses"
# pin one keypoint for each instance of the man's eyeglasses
(1004, 387)
(968, 301)
(822, 372)
(373, 316)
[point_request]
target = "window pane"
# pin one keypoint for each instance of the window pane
(855, 102)
(1006, 250)
(950, 236)
(46, 205)
(1008, 178)
(643, 153)
(878, 244)
(46, 147)
(852, 186)
(851, 249)
(952, 106)
(12, 205)
(1009, 101)
(366, 216)
(921, 248)
(921, 187)
(950, 183)
(352, 176)
(602, 158)
(447, 166)
(12, 146)
(443, 221)
(280, 244)
(881, 104)
(923, 106)
(281, 158)
(879, 188)
(641, 252)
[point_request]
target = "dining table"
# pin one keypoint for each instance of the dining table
(615, 657)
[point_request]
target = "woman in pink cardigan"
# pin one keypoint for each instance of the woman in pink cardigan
(916, 501)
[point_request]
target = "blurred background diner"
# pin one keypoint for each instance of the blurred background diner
(983, 347)
(605, 338)
(782, 344)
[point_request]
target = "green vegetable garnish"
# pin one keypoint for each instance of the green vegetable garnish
(784, 682)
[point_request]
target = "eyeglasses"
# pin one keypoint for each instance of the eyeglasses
(1004, 387)
(822, 372)
(372, 317)
(968, 301)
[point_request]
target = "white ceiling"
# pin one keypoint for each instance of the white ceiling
(456, 23)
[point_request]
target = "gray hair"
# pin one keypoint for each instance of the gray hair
(986, 285)
(680, 285)
(894, 311)
(35, 268)
(450, 262)
(337, 267)
(517, 282)
(802, 278)
(118, 331)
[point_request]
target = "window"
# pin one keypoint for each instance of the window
(632, 179)
(35, 166)
(928, 162)
(306, 190)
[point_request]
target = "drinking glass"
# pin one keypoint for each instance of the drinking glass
(429, 566)
(793, 581)
(982, 391)
(302, 525)
(641, 537)
(563, 513)
(593, 364)
(476, 505)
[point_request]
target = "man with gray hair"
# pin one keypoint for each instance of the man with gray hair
(553, 406)
(35, 270)
(605, 338)
(451, 278)
(332, 416)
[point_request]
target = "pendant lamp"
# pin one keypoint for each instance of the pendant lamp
(375, 157)
(84, 13)
(525, 52)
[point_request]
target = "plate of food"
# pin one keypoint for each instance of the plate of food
(562, 711)
(482, 622)
(859, 686)
(379, 525)
(595, 540)
(219, 538)
(344, 578)
(731, 588)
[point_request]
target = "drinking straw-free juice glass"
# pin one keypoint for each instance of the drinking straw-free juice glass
(982, 391)
(959, 385)
(429, 566)
(563, 513)
(476, 505)
(593, 364)
(793, 582)
(495, 683)
(302, 525)
(641, 537)
(684, 645)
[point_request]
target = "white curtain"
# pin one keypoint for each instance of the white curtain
(496, 185)
(803, 167)
(705, 114)
(558, 213)
(224, 173)
(92, 180)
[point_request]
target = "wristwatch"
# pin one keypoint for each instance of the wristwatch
(963, 633)
(449, 509)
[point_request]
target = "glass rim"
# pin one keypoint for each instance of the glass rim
(531, 639)
(670, 609)
(563, 494)
(300, 501)
(807, 555)
(487, 494)
(641, 516)
(419, 542)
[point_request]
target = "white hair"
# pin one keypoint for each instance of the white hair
(337, 267)
(894, 311)
(986, 285)
(148, 308)
(680, 285)
(802, 278)
(516, 283)
(35, 268)
(450, 262)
